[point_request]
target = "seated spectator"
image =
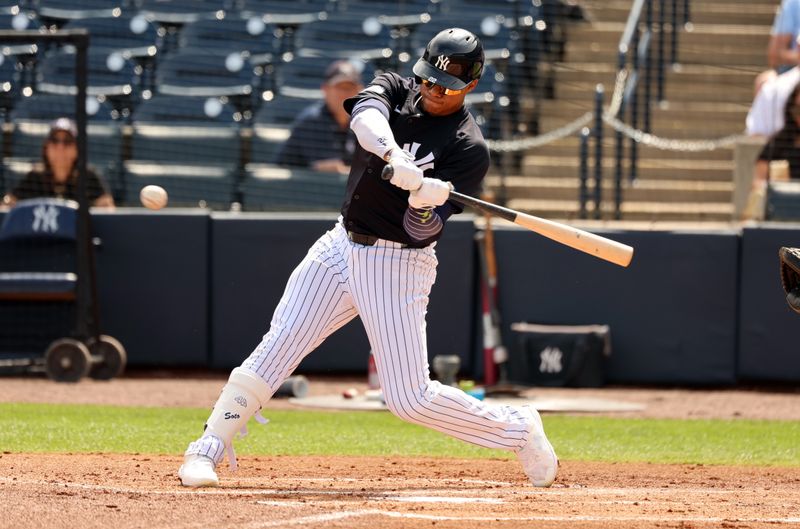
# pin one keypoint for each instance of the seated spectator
(58, 174)
(782, 50)
(321, 137)
(785, 145)
(765, 117)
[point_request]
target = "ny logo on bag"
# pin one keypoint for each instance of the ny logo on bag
(550, 360)
(442, 62)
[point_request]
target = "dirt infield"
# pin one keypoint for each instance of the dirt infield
(102, 491)
(142, 491)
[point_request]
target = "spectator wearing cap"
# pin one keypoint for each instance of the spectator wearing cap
(57, 176)
(321, 137)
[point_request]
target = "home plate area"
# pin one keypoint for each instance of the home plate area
(126, 491)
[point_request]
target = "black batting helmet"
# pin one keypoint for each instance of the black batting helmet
(453, 59)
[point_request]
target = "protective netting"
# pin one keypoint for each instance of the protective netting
(233, 103)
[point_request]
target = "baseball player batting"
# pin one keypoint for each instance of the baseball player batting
(379, 262)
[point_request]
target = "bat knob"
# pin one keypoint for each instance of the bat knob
(388, 172)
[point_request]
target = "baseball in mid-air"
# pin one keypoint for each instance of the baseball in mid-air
(153, 197)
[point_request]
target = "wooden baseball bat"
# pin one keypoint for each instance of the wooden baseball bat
(595, 245)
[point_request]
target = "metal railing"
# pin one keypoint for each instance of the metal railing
(634, 66)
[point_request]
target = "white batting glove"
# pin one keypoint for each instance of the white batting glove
(433, 192)
(406, 174)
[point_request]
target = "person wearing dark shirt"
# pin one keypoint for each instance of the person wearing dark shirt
(58, 174)
(321, 137)
(379, 262)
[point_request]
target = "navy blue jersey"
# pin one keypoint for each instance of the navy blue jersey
(450, 148)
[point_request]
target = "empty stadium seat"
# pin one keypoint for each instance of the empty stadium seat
(512, 9)
(344, 36)
(205, 74)
(407, 13)
(132, 36)
(188, 145)
(19, 20)
(303, 76)
(59, 11)
(287, 16)
(179, 12)
(274, 188)
(9, 82)
(280, 12)
(109, 75)
(231, 34)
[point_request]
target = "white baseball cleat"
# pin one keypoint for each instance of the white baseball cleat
(198, 471)
(538, 458)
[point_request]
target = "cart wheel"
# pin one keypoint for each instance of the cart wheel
(109, 358)
(67, 360)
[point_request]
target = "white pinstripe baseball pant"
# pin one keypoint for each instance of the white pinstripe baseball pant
(388, 287)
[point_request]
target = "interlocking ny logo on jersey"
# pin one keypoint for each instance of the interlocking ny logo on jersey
(550, 360)
(423, 163)
(442, 62)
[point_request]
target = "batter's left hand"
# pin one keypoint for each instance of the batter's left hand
(433, 192)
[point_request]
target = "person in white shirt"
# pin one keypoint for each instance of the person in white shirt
(765, 117)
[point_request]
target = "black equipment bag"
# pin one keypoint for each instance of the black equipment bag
(559, 355)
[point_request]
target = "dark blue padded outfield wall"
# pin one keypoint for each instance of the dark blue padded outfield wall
(152, 277)
(185, 288)
(769, 348)
(253, 257)
(672, 313)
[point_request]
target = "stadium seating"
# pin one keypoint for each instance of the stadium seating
(231, 34)
(179, 12)
(188, 145)
(109, 75)
(132, 36)
(282, 13)
(19, 21)
(273, 188)
(203, 73)
(59, 11)
(511, 9)
(345, 36)
(396, 14)
(9, 83)
(303, 76)
(286, 16)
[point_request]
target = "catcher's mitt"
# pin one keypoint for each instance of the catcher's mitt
(790, 275)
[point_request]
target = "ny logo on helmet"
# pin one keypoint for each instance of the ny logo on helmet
(442, 62)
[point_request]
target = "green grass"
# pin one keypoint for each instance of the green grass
(77, 428)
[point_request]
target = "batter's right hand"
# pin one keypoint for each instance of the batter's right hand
(406, 175)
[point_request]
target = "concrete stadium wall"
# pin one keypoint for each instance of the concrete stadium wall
(185, 288)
